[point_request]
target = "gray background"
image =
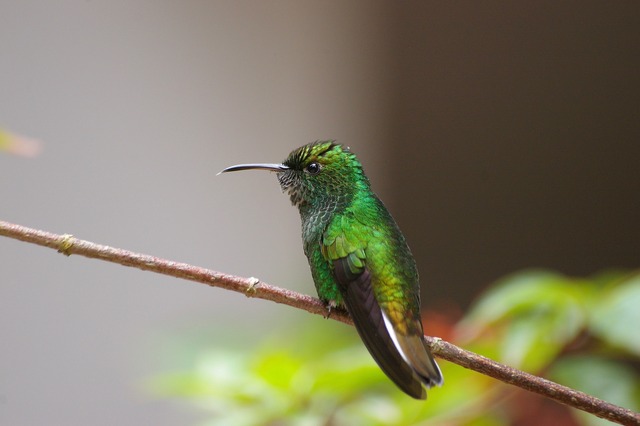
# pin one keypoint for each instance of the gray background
(501, 135)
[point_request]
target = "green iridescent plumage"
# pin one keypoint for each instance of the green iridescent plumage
(359, 259)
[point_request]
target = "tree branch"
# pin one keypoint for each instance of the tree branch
(251, 287)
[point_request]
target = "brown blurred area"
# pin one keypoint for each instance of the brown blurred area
(516, 139)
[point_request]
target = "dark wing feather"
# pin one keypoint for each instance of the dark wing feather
(360, 301)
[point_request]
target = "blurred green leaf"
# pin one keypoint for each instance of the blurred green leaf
(616, 315)
(534, 291)
(539, 312)
(532, 342)
(278, 369)
(606, 379)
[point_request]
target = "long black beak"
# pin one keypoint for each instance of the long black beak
(270, 167)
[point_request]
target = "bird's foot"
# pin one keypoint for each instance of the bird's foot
(330, 305)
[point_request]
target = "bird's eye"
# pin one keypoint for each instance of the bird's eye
(313, 168)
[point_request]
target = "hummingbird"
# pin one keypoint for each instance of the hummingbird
(359, 258)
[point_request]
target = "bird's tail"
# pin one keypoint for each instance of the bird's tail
(414, 351)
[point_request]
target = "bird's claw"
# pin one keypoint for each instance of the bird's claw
(330, 305)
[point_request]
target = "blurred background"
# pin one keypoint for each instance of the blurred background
(501, 135)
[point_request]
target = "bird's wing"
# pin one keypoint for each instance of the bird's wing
(346, 253)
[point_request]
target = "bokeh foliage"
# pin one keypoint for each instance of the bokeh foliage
(581, 332)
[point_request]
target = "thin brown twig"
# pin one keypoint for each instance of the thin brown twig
(251, 287)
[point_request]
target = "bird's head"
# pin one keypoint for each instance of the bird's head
(317, 172)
